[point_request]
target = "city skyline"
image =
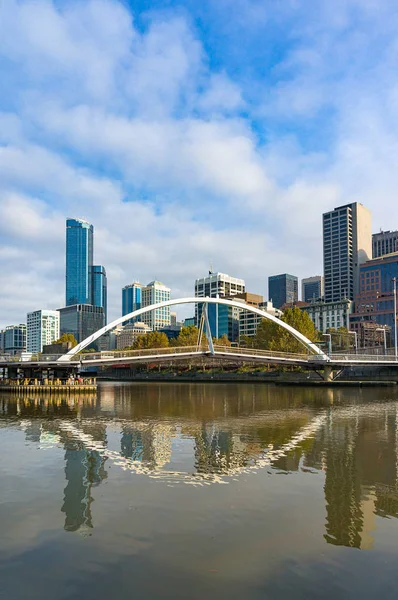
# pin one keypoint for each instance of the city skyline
(229, 160)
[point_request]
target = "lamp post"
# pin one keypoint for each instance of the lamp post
(394, 279)
(329, 335)
(354, 333)
(383, 329)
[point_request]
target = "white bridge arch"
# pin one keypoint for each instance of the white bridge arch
(313, 348)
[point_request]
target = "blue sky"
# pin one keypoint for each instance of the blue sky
(189, 133)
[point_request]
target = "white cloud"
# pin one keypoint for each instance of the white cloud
(177, 163)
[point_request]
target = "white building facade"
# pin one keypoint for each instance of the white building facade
(326, 315)
(42, 329)
(153, 293)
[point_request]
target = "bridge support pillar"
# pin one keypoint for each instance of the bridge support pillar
(328, 373)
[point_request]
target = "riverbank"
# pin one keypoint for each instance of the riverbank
(49, 389)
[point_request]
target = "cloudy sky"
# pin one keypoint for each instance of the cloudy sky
(189, 133)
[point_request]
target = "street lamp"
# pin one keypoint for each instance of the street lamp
(329, 335)
(383, 329)
(354, 333)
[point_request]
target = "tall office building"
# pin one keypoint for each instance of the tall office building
(99, 288)
(153, 293)
(312, 288)
(131, 299)
(81, 320)
(13, 339)
(384, 242)
(375, 300)
(282, 289)
(223, 286)
(219, 284)
(42, 329)
(347, 243)
(79, 260)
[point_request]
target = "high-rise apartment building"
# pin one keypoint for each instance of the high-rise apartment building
(81, 320)
(312, 288)
(153, 293)
(132, 299)
(384, 242)
(347, 243)
(282, 289)
(99, 288)
(13, 339)
(42, 329)
(79, 260)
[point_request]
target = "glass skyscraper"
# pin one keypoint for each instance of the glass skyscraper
(132, 299)
(85, 283)
(99, 287)
(282, 289)
(79, 260)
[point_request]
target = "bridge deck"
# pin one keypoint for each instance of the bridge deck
(189, 352)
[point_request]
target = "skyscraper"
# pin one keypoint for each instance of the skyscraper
(131, 299)
(79, 261)
(99, 288)
(282, 289)
(347, 243)
(312, 288)
(81, 320)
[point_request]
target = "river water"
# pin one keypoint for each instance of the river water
(191, 491)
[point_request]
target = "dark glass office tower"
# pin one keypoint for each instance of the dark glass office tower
(79, 260)
(99, 288)
(282, 289)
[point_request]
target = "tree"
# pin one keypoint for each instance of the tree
(341, 338)
(188, 336)
(271, 336)
(67, 337)
(222, 341)
(153, 339)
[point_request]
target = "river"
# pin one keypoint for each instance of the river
(192, 491)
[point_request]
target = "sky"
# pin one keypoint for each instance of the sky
(190, 134)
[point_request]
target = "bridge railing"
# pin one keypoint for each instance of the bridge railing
(360, 358)
(244, 351)
(148, 352)
(9, 358)
(118, 354)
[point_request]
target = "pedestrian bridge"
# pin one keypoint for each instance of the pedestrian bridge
(311, 357)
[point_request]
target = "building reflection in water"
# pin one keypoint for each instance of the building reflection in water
(84, 469)
(232, 429)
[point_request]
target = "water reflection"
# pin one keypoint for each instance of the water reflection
(206, 434)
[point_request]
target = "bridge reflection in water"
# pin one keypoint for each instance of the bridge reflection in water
(210, 434)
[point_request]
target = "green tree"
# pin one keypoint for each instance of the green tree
(271, 336)
(222, 341)
(153, 339)
(342, 339)
(188, 336)
(67, 337)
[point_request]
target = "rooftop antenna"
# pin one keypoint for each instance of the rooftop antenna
(211, 268)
